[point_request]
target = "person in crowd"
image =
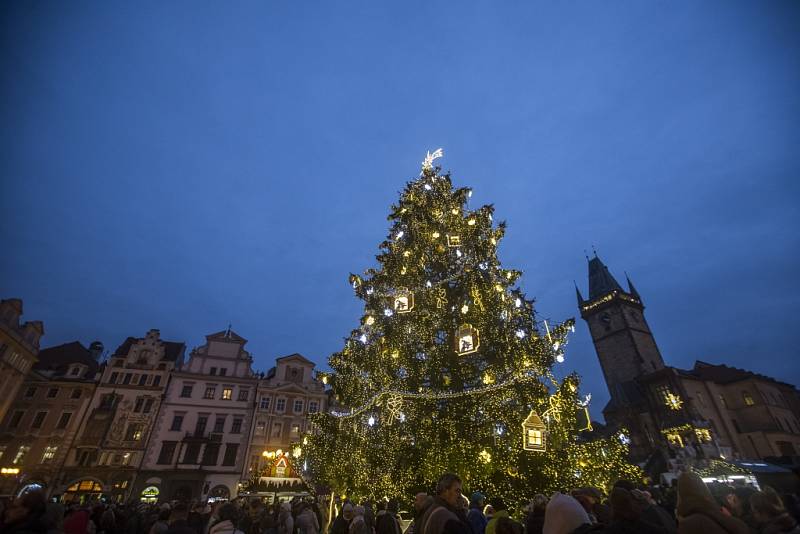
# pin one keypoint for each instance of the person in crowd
(592, 501)
(197, 518)
(388, 522)
(179, 520)
(475, 515)
(307, 522)
(358, 525)
(341, 525)
(563, 515)
(162, 523)
(698, 512)
(770, 513)
(76, 521)
(26, 515)
(442, 514)
(500, 512)
(224, 520)
(488, 512)
(506, 525)
(652, 513)
(54, 518)
(285, 519)
(250, 522)
(534, 519)
(422, 501)
(627, 514)
(369, 515)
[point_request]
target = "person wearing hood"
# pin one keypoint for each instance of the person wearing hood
(26, 515)
(475, 515)
(285, 519)
(500, 512)
(386, 521)
(307, 522)
(699, 513)
(341, 525)
(358, 525)
(564, 515)
(770, 513)
(227, 516)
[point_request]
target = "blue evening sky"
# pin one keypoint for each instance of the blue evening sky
(183, 165)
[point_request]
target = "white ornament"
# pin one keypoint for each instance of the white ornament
(387, 312)
(363, 338)
(560, 358)
(428, 187)
(458, 253)
(399, 234)
(428, 161)
(428, 284)
(518, 303)
(371, 421)
(520, 334)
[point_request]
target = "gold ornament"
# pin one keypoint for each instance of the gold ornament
(512, 471)
(441, 297)
(435, 235)
(485, 456)
(476, 297)
(673, 401)
(453, 240)
(394, 405)
(464, 308)
(440, 248)
(369, 320)
(471, 222)
(534, 433)
(467, 339)
(403, 300)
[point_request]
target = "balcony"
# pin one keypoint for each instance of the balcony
(212, 437)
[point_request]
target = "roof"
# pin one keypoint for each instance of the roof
(58, 358)
(172, 349)
(227, 335)
(722, 374)
(600, 279)
(296, 356)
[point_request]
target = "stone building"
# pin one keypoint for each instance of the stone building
(676, 416)
(286, 395)
(111, 440)
(45, 415)
(19, 347)
(199, 443)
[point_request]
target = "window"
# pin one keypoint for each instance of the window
(219, 424)
(264, 403)
(211, 391)
(186, 391)
(166, 453)
(138, 406)
(15, 419)
(157, 380)
(277, 429)
(76, 393)
(52, 393)
(748, 399)
(213, 371)
(280, 405)
(127, 378)
(75, 371)
(143, 380)
(230, 454)
(295, 429)
(298, 406)
(236, 427)
(192, 453)
(313, 407)
(261, 427)
(177, 422)
(244, 394)
(227, 393)
(113, 378)
(38, 419)
(49, 454)
(223, 371)
(722, 400)
(210, 454)
(200, 427)
(63, 421)
(148, 405)
(30, 392)
(107, 401)
(21, 453)
(134, 432)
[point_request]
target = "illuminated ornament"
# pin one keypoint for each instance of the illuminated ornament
(355, 280)
(399, 234)
(395, 354)
(402, 373)
(394, 403)
(428, 187)
(458, 253)
(560, 358)
(407, 253)
(467, 339)
(371, 421)
(435, 235)
(493, 241)
(469, 193)
(427, 163)
(518, 303)
(453, 240)
(370, 291)
(556, 346)
(403, 270)
(673, 401)
(369, 320)
(584, 421)
(674, 438)
(464, 308)
(440, 248)
(498, 288)
(454, 211)
(324, 379)
(482, 266)
(363, 338)
(534, 433)
(476, 297)
(403, 300)
(471, 222)
(402, 417)
(279, 453)
(297, 452)
(305, 440)
(520, 334)
(512, 471)
(428, 284)
(485, 456)
(441, 297)
(387, 312)
(703, 435)
(488, 378)
(499, 429)
(624, 439)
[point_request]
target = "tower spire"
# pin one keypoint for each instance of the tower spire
(578, 294)
(631, 289)
(601, 281)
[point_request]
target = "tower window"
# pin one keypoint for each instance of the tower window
(748, 399)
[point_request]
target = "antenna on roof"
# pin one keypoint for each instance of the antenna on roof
(228, 331)
(594, 250)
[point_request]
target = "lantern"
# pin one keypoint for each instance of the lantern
(453, 240)
(534, 433)
(403, 300)
(467, 339)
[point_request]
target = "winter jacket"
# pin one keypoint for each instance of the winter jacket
(534, 522)
(698, 512)
(307, 522)
(435, 518)
(285, 522)
(340, 525)
(31, 525)
(491, 525)
(563, 515)
(782, 524)
(477, 520)
(359, 526)
(387, 523)
(224, 527)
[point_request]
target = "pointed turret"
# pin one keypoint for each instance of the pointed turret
(578, 294)
(631, 289)
(600, 279)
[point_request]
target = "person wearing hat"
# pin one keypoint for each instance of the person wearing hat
(699, 513)
(475, 515)
(341, 525)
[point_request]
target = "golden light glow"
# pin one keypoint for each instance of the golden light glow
(673, 401)
(453, 240)
(370, 320)
(485, 456)
(467, 339)
(471, 222)
(403, 300)
(464, 308)
(435, 235)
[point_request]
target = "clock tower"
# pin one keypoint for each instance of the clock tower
(622, 338)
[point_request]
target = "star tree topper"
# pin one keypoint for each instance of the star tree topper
(427, 163)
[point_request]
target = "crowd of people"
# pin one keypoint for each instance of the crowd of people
(689, 507)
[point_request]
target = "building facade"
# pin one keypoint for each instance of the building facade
(43, 419)
(199, 443)
(288, 393)
(109, 448)
(674, 416)
(19, 348)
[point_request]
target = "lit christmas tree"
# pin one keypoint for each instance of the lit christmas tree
(450, 370)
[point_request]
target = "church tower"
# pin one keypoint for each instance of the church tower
(622, 339)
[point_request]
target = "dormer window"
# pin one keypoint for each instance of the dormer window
(75, 370)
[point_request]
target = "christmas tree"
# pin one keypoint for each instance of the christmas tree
(451, 369)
